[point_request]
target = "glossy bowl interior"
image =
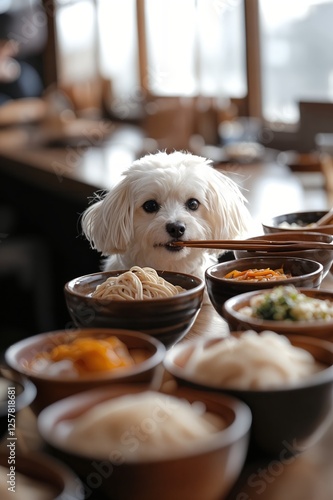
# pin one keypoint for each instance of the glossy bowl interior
(167, 319)
(286, 420)
(306, 273)
(219, 461)
(272, 225)
(20, 355)
(46, 471)
(325, 257)
(14, 388)
(318, 329)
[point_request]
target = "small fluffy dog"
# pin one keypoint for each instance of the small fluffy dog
(165, 198)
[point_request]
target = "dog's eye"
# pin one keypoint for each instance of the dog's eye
(151, 206)
(192, 204)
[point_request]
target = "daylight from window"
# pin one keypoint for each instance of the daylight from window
(296, 64)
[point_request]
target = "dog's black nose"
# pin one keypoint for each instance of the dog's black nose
(175, 229)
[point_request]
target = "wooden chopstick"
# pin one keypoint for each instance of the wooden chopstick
(325, 219)
(255, 245)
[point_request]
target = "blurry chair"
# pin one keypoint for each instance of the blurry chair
(315, 118)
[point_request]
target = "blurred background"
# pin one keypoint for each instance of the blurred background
(86, 86)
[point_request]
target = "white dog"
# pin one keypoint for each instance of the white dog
(161, 199)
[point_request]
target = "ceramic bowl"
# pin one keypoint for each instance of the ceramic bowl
(166, 319)
(201, 472)
(286, 420)
(58, 481)
(319, 329)
(17, 392)
(302, 219)
(306, 273)
(51, 388)
(325, 257)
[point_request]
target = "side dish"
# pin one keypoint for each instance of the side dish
(84, 355)
(287, 303)
(250, 361)
(258, 275)
(296, 225)
(136, 284)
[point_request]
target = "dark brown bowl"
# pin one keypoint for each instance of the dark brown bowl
(50, 389)
(325, 257)
(272, 225)
(45, 470)
(17, 389)
(287, 420)
(202, 472)
(317, 329)
(306, 273)
(167, 319)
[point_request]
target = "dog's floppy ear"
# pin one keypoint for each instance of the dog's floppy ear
(230, 217)
(108, 223)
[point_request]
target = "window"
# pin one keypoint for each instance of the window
(296, 56)
(194, 47)
(203, 48)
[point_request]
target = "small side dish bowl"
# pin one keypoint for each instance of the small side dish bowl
(147, 352)
(320, 328)
(167, 319)
(219, 459)
(287, 419)
(16, 393)
(36, 474)
(297, 221)
(325, 257)
(304, 273)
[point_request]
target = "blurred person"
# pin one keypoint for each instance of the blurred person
(23, 34)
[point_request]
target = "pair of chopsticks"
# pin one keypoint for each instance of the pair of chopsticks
(255, 245)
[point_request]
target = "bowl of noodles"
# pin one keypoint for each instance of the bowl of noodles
(229, 279)
(163, 304)
(65, 362)
(147, 445)
(287, 383)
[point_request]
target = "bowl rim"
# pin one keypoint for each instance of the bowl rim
(320, 377)
(236, 430)
(266, 284)
(12, 354)
(229, 304)
(69, 480)
(69, 288)
(25, 397)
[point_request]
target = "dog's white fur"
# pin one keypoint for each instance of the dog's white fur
(119, 227)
